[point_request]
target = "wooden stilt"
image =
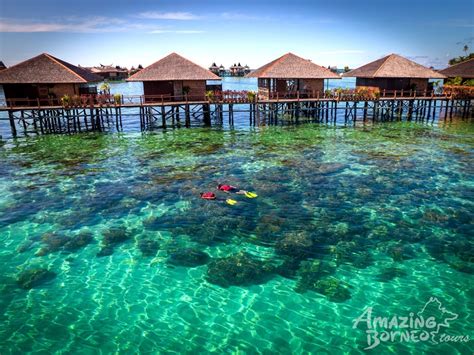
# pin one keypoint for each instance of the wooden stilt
(12, 123)
(163, 116)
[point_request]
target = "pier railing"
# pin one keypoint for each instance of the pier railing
(238, 97)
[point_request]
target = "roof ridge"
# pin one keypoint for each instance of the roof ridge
(384, 62)
(463, 62)
(61, 64)
(195, 63)
(27, 60)
(291, 65)
(148, 66)
(173, 57)
(275, 61)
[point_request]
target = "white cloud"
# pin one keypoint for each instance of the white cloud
(85, 25)
(92, 24)
(155, 15)
(7, 26)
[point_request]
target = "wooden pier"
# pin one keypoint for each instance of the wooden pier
(160, 112)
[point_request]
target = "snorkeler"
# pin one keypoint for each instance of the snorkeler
(233, 189)
(227, 188)
(212, 196)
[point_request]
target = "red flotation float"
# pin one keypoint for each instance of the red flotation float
(208, 195)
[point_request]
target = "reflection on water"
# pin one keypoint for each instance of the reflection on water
(108, 245)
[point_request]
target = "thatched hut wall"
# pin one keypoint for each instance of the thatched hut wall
(39, 91)
(390, 84)
(174, 89)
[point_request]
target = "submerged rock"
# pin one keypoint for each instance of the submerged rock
(334, 289)
(58, 242)
(79, 241)
(310, 272)
(111, 238)
(295, 244)
(289, 268)
(238, 270)
(115, 236)
(34, 277)
(52, 242)
(189, 257)
(148, 247)
(152, 223)
(400, 252)
(26, 246)
(344, 251)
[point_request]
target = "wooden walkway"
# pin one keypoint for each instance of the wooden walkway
(44, 119)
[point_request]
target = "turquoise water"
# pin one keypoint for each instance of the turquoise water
(108, 248)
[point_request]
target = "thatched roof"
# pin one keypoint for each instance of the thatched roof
(464, 70)
(46, 69)
(2, 66)
(393, 66)
(173, 67)
(291, 66)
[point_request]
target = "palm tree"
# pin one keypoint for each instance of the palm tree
(465, 48)
(105, 87)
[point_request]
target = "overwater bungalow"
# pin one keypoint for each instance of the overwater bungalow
(110, 72)
(214, 68)
(221, 70)
(237, 70)
(289, 76)
(45, 79)
(174, 78)
(394, 72)
(233, 70)
(463, 70)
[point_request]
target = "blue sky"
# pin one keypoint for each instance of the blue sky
(336, 32)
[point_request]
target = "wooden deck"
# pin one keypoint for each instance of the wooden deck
(216, 102)
(98, 116)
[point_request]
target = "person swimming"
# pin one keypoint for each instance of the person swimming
(212, 196)
(233, 189)
(227, 188)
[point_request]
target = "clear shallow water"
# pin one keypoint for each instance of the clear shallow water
(346, 218)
